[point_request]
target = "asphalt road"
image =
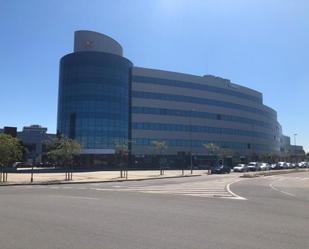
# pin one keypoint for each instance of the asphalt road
(208, 212)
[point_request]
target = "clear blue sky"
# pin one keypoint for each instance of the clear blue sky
(262, 44)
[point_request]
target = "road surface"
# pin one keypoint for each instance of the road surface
(213, 212)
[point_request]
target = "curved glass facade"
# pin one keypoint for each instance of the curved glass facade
(104, 100)
(94, 97)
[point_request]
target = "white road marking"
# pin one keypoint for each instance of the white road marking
(217, 188)
(271, 185)
(212, 189)
(77, 197)
(238, 197)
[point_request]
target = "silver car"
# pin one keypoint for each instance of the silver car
(254, 166)
(241, 168)
(265, 166)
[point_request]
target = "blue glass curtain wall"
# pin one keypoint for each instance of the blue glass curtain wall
(94, 89)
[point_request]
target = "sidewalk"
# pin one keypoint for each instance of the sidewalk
(92, 177)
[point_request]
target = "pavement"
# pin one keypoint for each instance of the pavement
(213, 212)
(22, 178)
(94, 176)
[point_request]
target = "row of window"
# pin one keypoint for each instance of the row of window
(95, 97)
(195, 114)
(95, 125)
(201, 129)
(200, 143)
(99, 142)
(111, 143)
(101, 133)
(97, 89)
(189, 99)
(94, 107)
(100, 117)
(85, 72)
(191, 85)
(83, 79)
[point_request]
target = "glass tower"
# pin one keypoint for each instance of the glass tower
(94, 94)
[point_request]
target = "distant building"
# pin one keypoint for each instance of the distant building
(10, 131)
(33, 138)
(285, 146)
(297, 150)
(288, 149)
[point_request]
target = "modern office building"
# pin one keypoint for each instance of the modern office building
(104, 100)
(94, 94)
(288, 149)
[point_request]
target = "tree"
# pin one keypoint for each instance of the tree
(122, 153)
(11, 151)
(226, 152)
(63, 150)
(160, 146)
(212, 150)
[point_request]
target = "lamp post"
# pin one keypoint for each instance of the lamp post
(295, 134)
(130, 141)
(191, 161)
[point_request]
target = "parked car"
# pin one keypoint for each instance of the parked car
(265, 166)
(16, 164)
(273, 166)
(254, 166)
(289, 165)
(241, 168)
(282, 165)
(303, 165)
(21, 165)
(220, 169)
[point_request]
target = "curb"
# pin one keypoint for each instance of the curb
(88, 182)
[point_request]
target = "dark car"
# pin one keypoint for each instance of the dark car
(220, 169)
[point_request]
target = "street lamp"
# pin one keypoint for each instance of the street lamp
(130, 141)
(191, 161)
(295, 134)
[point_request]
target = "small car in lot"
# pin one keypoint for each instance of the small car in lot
(265, 166)
(21, 165)
(254, 166)
(288, 165)
(220, 169)
(303, 165)
(273, 166)
(282, 165)
(241, 168)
